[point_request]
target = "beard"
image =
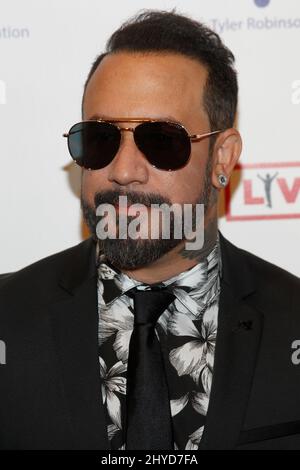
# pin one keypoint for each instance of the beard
(130, 253)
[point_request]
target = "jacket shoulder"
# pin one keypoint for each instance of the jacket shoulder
(263, 271)
(42, 275)
(268, 271)
(268, 287)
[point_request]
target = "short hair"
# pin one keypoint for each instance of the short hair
(167, 31)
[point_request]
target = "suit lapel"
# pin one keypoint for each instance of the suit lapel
(75, 329)
(238, 339)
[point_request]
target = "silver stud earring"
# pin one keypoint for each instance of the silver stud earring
(222, 179)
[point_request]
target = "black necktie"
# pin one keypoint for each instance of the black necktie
(148, 415)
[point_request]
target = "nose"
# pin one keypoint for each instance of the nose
(129, 164)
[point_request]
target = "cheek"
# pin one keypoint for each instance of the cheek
(186, 184)
(196, 173)
(91, 182)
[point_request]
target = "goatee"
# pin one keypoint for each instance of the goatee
(129, 253)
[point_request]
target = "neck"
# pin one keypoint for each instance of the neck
(179, 259)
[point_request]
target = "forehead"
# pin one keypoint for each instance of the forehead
(126, 82)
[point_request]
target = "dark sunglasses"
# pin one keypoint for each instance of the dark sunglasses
(167, 145)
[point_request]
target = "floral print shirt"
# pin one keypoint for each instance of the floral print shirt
(187, 332)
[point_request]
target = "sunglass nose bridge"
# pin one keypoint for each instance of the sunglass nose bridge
(128, 129)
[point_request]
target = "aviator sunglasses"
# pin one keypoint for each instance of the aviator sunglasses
(93, 144)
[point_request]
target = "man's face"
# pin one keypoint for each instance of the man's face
(164, 86)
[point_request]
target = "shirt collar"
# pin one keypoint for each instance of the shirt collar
(193, 288)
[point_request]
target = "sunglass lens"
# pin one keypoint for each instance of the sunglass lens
(166, 145)
(93, 144)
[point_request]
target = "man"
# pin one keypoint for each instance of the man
(87, 367)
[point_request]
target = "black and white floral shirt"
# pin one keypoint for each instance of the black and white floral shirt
(187, 332)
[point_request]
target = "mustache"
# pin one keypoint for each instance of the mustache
(133, 197)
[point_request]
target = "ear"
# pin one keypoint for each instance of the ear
(227, 150)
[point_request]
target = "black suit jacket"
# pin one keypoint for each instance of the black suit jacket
(50, 390)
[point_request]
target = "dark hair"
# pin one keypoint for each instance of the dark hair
(163, 31)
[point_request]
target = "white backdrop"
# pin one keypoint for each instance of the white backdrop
(46, 50)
